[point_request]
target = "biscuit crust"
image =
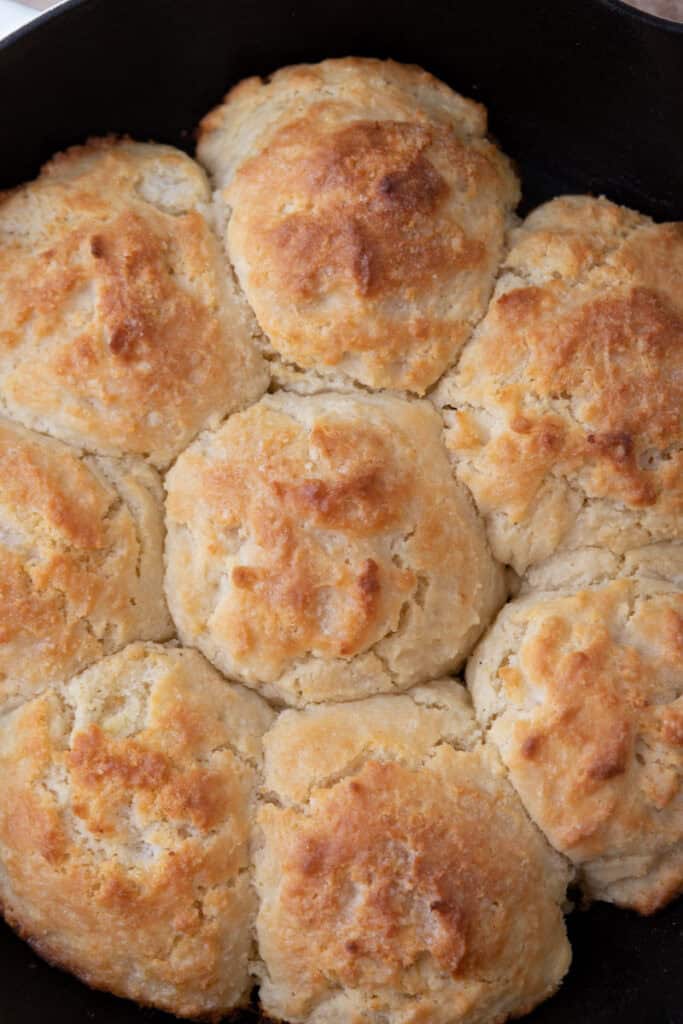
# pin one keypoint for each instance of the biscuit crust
(398, 875)
(319, 548)
(81, 564)
(581, 690)
(365, 217)
(120, 330)
(124, 828)
(564, 412)
(371, 405)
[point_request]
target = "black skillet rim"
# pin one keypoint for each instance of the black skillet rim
(654, 20)
(620, 7)
(40, 19)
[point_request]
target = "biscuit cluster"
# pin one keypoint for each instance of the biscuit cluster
(290, 437)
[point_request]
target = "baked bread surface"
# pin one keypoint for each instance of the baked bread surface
(399, 878)
(81, 560)
(565, 411)
(379, 852)
(580, 688)
(319, 548)
(125, 817)
(120, 331)
(365, 215)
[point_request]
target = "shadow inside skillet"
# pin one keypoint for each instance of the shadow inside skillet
(604, 984)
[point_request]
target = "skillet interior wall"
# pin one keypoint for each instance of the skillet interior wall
(585, 94)
(586, 97)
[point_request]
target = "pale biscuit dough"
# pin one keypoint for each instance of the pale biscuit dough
(81, 564)
(565, 411)
(399, 877)
(319, 548)
(125, 816)
(581, 689)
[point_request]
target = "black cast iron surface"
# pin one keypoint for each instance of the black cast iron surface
(586, 95)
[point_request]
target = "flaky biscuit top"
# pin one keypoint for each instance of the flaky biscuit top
(398, 874)
(319, 547)
(120, 330)
(582, 692)
(125, 818)
(565, 410)
(364, 230)
(80, 560)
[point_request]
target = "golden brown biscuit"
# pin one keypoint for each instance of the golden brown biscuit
(581, 690)
(125, 814)
(81, 568)
(319, 548)
(565, 409)
(119, 328)
(365, 217)
(399, 878)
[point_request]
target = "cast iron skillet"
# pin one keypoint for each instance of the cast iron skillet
(586, 95)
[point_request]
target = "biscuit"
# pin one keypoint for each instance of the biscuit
(81, 565)
(120, 330)
(319, 548)
(124, 828)
(399, 877)
(365, 215)
(564, 412)
(580, 688)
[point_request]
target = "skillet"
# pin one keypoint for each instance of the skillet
(586, 96)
